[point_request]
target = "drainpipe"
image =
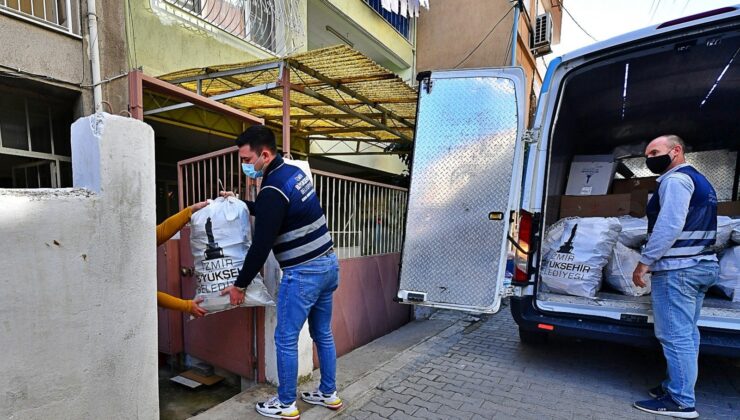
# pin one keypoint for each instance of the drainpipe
(92, 25)
(515, 34)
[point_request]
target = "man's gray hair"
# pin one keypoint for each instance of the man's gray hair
(675, 141)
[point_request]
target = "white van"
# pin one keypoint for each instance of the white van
(479, 179)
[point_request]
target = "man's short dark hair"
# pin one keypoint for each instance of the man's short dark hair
(258, 137)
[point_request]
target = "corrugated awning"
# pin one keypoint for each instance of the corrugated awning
(335, 93)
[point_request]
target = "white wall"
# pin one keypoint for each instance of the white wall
(78, 315)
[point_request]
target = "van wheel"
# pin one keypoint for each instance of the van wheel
(532, 338)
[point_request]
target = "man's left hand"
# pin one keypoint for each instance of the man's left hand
(638, 275)
(236, 296)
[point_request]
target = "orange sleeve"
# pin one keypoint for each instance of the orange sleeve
(170, 302)
(172, 225)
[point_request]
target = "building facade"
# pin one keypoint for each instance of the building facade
(478, 33)
(166, 36)
(46, 83)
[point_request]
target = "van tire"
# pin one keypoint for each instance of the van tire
(532, 338)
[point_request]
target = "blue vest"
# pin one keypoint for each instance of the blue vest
(303, 235)
(700, 230)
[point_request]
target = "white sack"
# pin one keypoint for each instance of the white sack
(634, 231)
(725, 228)
(729, 273)
(735, 235)
(219, 259)
(574, 264)
(619, 269)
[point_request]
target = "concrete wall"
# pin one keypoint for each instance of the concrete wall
(61, 59)
(29, 48)
(373, 25)
(79, 321)
(114, 54)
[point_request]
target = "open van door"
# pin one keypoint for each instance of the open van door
(465, 177)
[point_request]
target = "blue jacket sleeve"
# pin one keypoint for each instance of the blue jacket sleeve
(269, 212)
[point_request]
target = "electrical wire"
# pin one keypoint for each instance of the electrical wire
(484, 38)
(685, 6)
(652, 15)
(576, 22)
(508, 50)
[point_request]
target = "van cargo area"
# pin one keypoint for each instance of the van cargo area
(688, 86)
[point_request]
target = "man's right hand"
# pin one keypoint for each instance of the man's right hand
(196, 310)
(227, 194)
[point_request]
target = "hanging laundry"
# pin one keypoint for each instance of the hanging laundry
(405, 8)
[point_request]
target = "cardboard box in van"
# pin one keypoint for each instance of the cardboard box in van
(611, 205)
(728, 208)
(590, 175)
(623, 186)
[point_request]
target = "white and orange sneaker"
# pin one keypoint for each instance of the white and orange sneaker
(277, 410)
(330, 401)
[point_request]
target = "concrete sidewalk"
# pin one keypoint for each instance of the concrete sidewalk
(361, 372)
(454, 366)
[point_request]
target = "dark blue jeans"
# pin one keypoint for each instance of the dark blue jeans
(306, 293)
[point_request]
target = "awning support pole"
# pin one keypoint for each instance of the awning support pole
(285, 81)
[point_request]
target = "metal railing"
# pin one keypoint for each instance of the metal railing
(59, 14)
(202, 177)
(364, 217)
(398, 22)
(265, 23)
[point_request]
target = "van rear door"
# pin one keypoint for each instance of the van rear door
(465, 179)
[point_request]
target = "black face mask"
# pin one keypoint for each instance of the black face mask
(658, 164)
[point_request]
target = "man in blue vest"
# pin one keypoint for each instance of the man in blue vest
(290, 222)
(682, 226)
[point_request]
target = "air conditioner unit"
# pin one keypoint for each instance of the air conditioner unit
(541, 38)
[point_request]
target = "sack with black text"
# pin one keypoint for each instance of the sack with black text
(574, 264)
(220, 236)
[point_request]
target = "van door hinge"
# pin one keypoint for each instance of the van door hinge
(531, 136)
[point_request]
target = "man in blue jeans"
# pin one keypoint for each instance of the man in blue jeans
(682, 226)
(290, 222)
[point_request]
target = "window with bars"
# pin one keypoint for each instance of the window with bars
(251, 20)
(56, 13)
(400, 23)
(35, 144)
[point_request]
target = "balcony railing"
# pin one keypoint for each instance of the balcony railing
(399, 23)
(255, 21)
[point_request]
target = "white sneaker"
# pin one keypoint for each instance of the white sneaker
(277, 410)
(331, 401)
